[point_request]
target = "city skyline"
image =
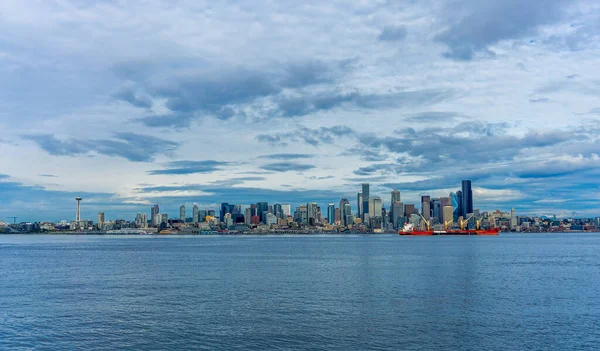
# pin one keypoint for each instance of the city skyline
(297, 102)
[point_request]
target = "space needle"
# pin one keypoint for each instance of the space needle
(78, 217)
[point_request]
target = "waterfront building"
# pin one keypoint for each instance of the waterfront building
(300, 215)
(337, 216)
(100, 220)
(312, 209)
(286, 209)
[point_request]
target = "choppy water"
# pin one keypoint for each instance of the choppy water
(306, 293)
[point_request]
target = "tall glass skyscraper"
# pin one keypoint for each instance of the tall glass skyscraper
(365, 198)
(331, 213)
(467, 198)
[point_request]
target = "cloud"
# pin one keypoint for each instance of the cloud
(392, 33)
(315, 137)
(473, 26)
(48, 175)
(219, 91)
(131, 146)
(539, 100)
(286, 167)
(286, 156)
(190, 167)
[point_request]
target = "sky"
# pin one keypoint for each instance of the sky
(132, 103)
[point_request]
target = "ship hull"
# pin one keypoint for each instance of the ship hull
(416, 233)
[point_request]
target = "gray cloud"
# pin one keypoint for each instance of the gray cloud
(190, 167)
(315, 137)
(475, 25)
(393, 33)
(131, 146)
(286, 156)
(286, 167)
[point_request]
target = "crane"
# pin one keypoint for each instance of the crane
(14, 219)
(447, 224)
(427, 223)
(463, 222)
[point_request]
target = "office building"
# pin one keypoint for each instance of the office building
(365, 198)
(286, 209)
(375, 207)
(397, 215)
(426, 206)
(359, 203)
(343, 209)
(154, 215)
(395, 196)
(261, 208)
(409, 209)
(182, 213)
(331, 213)
(195, 214)
(467, 198)
(100, 220)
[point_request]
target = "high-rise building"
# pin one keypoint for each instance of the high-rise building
(436, 211)
(225, 208)
(375, 207)
(397, 214)
(278, 210)
(426, 206)
(467, 198)
(286, 209)
(343, 209)
(331, 213)
(455, 202)
(459, 209)
(359, 203)
(447, 214)
(409, 209)
(182, 213)
(337, 216)
(349, 219)
(395, 196)
(202, 215)
(248, 216)
(100, 220)
(195, 218)
(154, 215)
(300, 215)
(513, 219)
(261, 207)
(365, 198)
(164, 218)
(78, 215)
(312, 209)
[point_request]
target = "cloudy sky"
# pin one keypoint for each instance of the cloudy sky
(131, 103)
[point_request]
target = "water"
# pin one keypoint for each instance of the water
(306, 293)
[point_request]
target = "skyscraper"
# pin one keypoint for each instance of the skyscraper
(331, 213)
(154, 211)
(365, 198)
(409, 209)
(312, 211)
(78, 215)
(182, 213)
(397, 213)
(100, 220)
(261, 207)
(467, 198)
(426, 206)
(459, 208)
(359, 203)
(278, 210)
(343, 209)
(375, 206)
(286, 209)
(395, 196)
(225, 208)
(195, 218)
